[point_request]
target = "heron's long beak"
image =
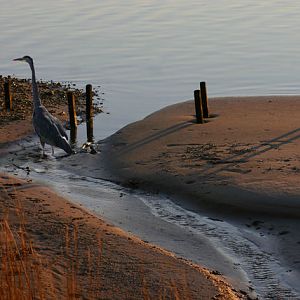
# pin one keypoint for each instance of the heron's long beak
(18, 59)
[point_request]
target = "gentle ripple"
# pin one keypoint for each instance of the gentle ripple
(148, 54)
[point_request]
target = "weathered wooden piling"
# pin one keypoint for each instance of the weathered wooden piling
(204, 99)
(89, 113)
(7, 96)
(72, 116)
(198, 107)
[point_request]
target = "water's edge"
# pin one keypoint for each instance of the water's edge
(242, 254)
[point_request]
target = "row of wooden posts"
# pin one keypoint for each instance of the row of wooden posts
(72, 110)
(200, 97)
(201, 103)
(88, 114)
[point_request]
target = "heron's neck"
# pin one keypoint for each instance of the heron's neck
(35, 91)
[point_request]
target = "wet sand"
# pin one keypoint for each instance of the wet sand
(241, 166)
(245, 158)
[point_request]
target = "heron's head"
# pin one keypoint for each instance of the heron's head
(25, 58)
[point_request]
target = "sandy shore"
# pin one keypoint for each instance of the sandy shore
(78, 255)
(241, 166)
(109, 262)
(246, 157)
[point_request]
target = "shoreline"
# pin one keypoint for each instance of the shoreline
(47, 216)
(246, 154)
(282, 232)
(16, 123)
(120, 257)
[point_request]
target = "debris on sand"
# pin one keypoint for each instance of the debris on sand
(53, 95)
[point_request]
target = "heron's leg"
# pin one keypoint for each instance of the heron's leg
(52, 151)
(43, 147)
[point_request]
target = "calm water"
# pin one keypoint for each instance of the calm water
(148, 54)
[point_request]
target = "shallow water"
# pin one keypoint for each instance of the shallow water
(146, 55)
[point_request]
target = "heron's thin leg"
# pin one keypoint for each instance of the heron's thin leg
(52, 151)
(43, 147)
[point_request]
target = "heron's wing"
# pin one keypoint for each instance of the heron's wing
(47, 127)
(59, 127)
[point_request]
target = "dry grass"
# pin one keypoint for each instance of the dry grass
(21, 271)
(20, 276)
(23, 274)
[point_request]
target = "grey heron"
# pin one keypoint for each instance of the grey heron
(48, 128)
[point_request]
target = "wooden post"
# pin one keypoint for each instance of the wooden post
(89, 113)
(198, 107)
(73, 135)
(204, 99)
(7, 96)
(72, 116)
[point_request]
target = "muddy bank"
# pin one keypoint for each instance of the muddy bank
(53, 96)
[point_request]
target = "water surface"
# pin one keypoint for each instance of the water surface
(148, 54)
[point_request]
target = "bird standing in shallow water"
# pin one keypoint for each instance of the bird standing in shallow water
(47, 127)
